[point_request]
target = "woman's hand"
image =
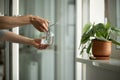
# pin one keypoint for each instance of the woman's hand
(39, 23)
(37, 44)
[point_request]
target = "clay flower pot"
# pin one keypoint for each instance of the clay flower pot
(101, 49)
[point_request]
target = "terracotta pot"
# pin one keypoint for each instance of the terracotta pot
(101, 49)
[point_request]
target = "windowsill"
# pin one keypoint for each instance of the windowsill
(112, 64)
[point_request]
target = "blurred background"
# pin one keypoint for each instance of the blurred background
(58, 62)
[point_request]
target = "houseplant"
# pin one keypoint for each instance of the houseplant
(100, 33)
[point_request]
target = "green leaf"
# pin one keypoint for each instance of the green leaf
(89, 48)
(102, 38)
(115, 42)
(108, 25)
(85, 38)
(86, 27)
(100, 29)
(115, 29)
(82, 50)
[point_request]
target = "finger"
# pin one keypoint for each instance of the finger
(46, 46)
(41, 24)
(45, 26)
(40, 47)
(42, 29)
(43, 47)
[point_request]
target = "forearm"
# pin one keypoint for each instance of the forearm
(12, 37)
(7, 22)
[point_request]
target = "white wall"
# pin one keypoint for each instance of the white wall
(97, 13)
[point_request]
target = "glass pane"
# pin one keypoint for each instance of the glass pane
(56, 62)
(36, 64)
